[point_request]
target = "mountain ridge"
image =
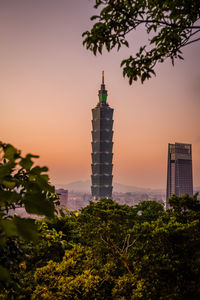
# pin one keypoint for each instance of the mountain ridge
(84, 187)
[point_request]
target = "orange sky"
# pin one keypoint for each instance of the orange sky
(49, 84)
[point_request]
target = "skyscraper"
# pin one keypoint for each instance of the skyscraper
(102, 134)
(179, 171)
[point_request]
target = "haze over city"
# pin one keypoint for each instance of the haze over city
(49, 84)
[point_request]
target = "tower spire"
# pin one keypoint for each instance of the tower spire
(103, 92)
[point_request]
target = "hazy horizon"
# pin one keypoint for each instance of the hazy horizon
(118, 184)
(49, 84)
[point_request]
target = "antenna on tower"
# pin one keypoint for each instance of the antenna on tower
(102, 77)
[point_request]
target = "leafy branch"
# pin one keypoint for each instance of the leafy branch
(22, 185)
(173, 24)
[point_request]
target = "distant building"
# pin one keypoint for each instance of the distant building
(179, 170)
(102, 134)
(63, 197)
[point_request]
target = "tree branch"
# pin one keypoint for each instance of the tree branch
(164, 23)
(193, 41)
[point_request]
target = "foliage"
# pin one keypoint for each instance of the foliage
(22, 258)
(22, 185)
(185, 205)
(148, 211)
(112, 251)
(106, 226)
(170, 26)
(74, 277)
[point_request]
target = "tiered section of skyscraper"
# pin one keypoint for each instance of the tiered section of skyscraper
(102, 145)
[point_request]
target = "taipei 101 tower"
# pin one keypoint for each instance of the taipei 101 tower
(102, 134)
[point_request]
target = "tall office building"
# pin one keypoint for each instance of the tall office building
(179, 171)
(102, 145)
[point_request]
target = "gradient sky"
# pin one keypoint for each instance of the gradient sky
(49, 84)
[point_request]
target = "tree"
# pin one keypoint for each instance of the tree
(22, 185)
(126, 252)
(74, 278)
(170, 26)
(112, 251)
(22, 258)
(106, 226)
(185, 204)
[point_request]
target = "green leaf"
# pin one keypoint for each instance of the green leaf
(126, 43)
(38, 170)
(123, 62)
(26, 228)
(144, 76)
(27, 162)
(38, 204)
(130, 80)
(4, 275)
(11, 153)
(6, 170)
(9, 197)
(94, 18)
(61, 213)
(9, 184)
(9, 227)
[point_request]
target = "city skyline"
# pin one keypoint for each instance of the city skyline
(49, 84)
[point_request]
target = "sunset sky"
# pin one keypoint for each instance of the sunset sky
(49, 84)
